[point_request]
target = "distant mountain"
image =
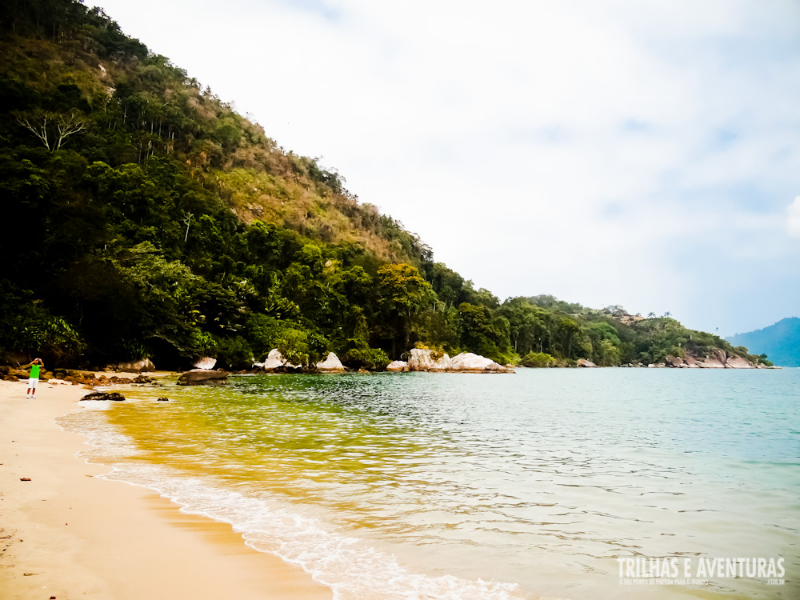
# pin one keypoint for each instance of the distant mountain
(780, 342)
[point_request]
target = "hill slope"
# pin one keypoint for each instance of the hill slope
(780, 341)
(143, 217)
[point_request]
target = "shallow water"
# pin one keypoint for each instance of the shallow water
(421, 485)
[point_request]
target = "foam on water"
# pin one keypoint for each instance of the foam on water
(352, 569)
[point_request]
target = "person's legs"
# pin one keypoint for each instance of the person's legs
(32, 386)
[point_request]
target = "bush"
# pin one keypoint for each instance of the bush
(373, 359)
(537, 360)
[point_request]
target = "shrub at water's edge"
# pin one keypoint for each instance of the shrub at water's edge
(144, 218)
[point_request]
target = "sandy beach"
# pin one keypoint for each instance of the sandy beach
(68, 534)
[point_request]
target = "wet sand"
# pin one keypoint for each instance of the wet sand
(68, 534)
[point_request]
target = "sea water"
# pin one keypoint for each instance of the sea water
(460, 486)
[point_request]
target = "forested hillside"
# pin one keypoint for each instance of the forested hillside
(143, 217)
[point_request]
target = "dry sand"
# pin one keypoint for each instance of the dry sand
(70, 535)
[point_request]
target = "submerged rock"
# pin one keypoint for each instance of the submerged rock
(397, 366)
(110, 396)
(331, 364)
(203, 377)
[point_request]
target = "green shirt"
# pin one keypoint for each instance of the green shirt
(34, 371)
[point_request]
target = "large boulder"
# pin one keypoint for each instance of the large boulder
(674, 361)
(466, 362)
(423, 359)
(137, 367)
(203, 377)
(586, 364)
(711, 362)
(397, 366)
(273, 361)
(441, 364)
(737, 362)
(206, 363)
(331, 364)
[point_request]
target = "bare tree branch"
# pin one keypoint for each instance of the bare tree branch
(40, 124)
(37, 125)
(67, 126)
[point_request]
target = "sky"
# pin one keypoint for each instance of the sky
(606, 152)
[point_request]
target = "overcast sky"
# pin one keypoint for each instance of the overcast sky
(607, 152)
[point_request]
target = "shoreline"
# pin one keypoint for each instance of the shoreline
(68, 533)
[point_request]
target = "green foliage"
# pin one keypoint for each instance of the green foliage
(538, 360)
(28, 328)
(167, 225)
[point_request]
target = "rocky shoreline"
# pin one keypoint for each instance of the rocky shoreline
(419, 360)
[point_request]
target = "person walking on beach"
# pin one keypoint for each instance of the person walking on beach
(35, 365)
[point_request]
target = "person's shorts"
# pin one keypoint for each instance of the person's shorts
(32, 382)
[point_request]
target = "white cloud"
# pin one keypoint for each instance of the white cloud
(605, 152)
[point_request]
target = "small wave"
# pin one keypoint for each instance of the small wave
(351, 569)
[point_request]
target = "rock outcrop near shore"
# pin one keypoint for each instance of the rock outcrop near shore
(716, 359)
(422, 359)
(140, 366)
(206, 363)
(331, 364)
(397, 366)
(203, 377)
(276, 363)
(104, 396)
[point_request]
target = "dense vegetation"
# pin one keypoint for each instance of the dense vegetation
(781, 341)
(144, 217)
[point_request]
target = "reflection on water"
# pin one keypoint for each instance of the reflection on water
(541, 479)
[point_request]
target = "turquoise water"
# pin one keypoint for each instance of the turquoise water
(421, 485)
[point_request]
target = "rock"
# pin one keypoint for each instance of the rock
(140, 379)
(441, 365)
(162, 400)
(466, 362)
(274, 361)
(10, 378)
(21, 374)
(397, 366)
(206, 363)
(582, 362)
(674, 361)
(203, 377)
(58, 382)
(331, 364)
(737, 362)
(137, 367)
(422, 359)
(710, 363)
(24, 478)
(112, 396)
